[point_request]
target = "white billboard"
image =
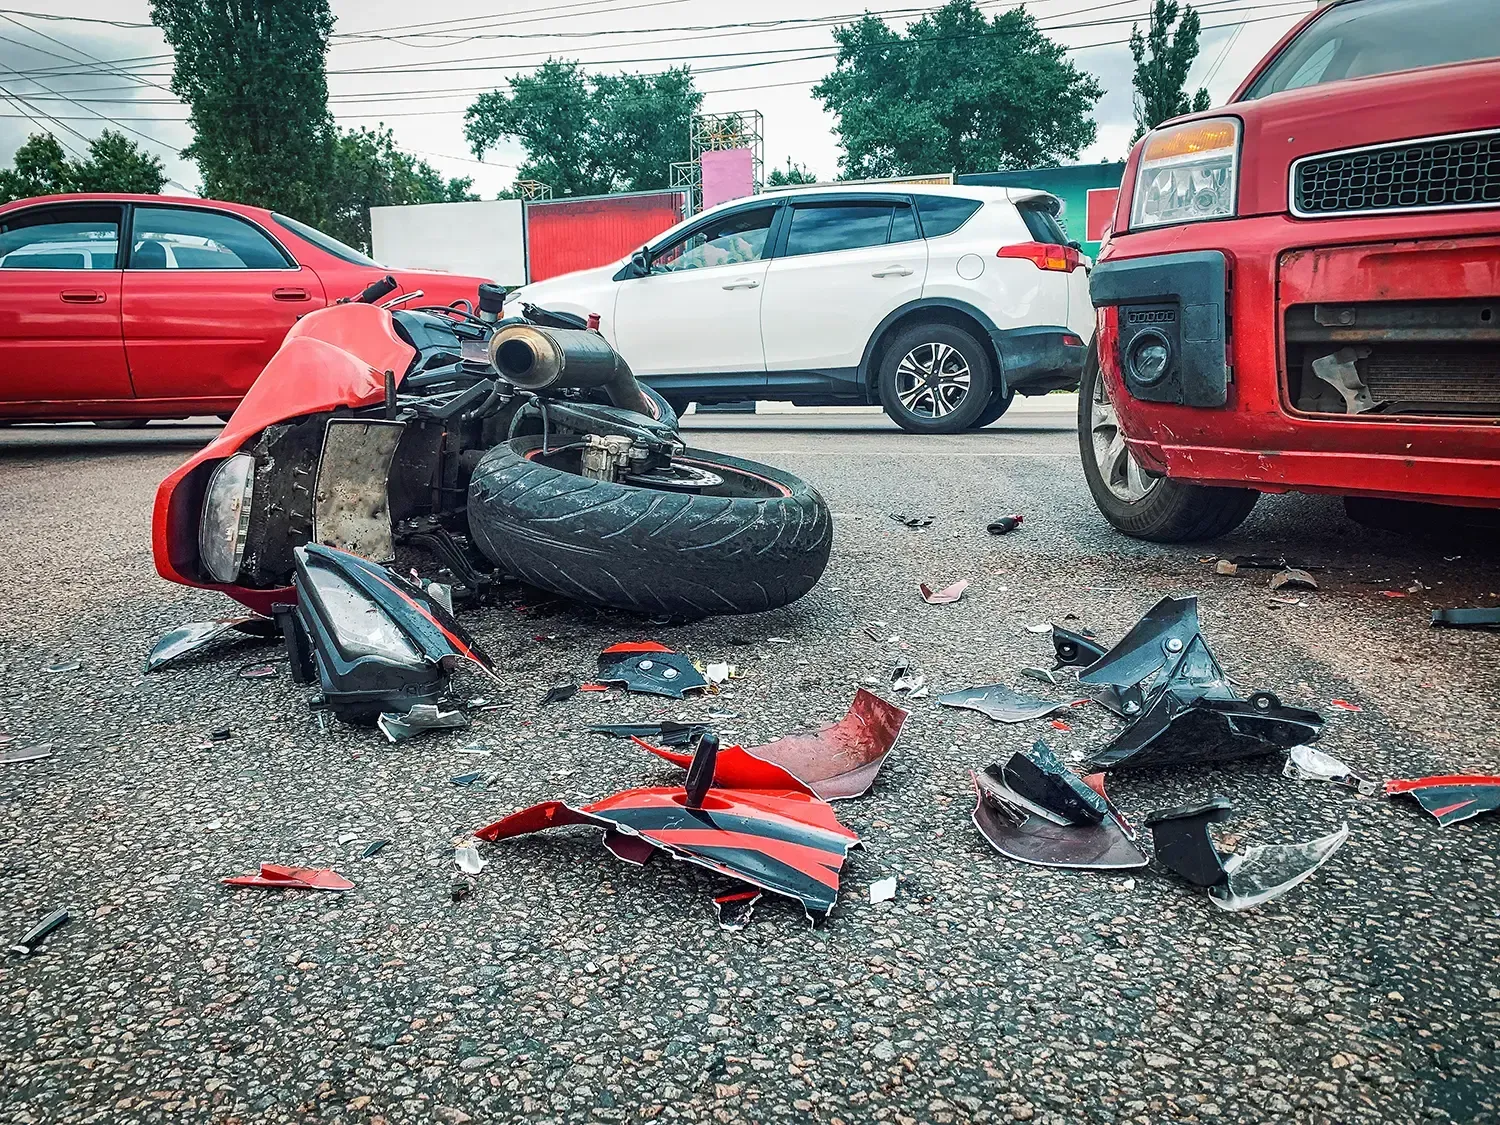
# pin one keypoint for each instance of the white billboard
(485, 238)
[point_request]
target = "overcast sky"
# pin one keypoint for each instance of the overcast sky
(418, 79)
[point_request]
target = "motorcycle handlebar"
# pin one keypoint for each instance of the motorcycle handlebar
(376, 290)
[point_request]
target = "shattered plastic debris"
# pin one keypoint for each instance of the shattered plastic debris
(1001, 703)
(1303, 763)
(904, 677)
(1227, 568)
(883, 890)
(274, 875)
(32, 939)
(946, 595)
(1234, 882)
(464, 780)
(422, 717)
(186, 640)
(1450, 798)
(560, 693)
(257, 671)
(1005, 525)
(1162, 635)
(1340, 371)
(442, 594)
(61, 666)
(1466, 618)
(1045, 784)
(468, 859)
(1029, 833)
(374, 848)
(1296, 579)
(1045, 675)
(1040, 628)
(785, 842)
(736, 908)
(650, 668)
(719, 672)
(1075, 650)
(1344, 705)
(834, 763)
(29, 754)
(663, 734)
(912, 521)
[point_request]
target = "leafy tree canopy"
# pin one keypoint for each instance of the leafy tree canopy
(114, 163)
(1163, 59)
(588, 134)
(791, 174)
(955, 92)
(370, 171)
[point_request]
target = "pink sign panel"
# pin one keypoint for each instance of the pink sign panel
(728, 173)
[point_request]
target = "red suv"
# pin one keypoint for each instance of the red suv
(1302, 289)
(124, 308)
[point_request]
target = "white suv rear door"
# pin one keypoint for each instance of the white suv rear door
(841, 264)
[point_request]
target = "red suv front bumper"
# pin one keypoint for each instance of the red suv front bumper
(1258, 438)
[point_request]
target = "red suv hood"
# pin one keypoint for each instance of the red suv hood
(1279, 129)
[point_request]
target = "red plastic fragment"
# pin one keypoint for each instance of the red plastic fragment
(946, 595)
(638, 646)
(1345, 705)
(1058, 724)
(299, 878)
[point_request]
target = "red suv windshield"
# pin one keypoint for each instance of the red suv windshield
(1362, 38)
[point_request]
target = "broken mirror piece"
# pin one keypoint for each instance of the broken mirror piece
(422, 717)
(188, 640)
(1047, 785)
(839, 761)
(276, 876)
(786, 842)
(32, 939)
(29, 754)
(1296, 579)
(736, 908)
(1303, 763)
(662, 734)
(468, 859)
(946, 595)
(1466, 618)
(1234, 882)
(1031, 834)
(1452, 797)
(1001, 703)
(650, 668)
(560, 693)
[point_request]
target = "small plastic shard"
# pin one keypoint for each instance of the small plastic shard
(32, 939)
(442, 594)
(736, 908)
(719, 672)
(671, 734)
(1466, 618)
(946, 595)
(1268, 871)
(61, 666)
(468, 859)
(186, 640)
(1303, 763)
(912, 521)
(1226, 567)
(1046, 784)
(1002, 704)
(700, 775)
(221, 734)
(1296, 579)
(276, 876)
(29, 754)
(374, 848)
(1450, 798)
(464, 780)
(778, 641)
(1039, 628)
(560, 693)
(650, 668)
(1045, 675)
(907, 678)
(883, 890)
(1344, 705)
(257, 671)
(422, 717)
(1183, 844)
(1005, 525)
(1036, 836)
(1340, 371)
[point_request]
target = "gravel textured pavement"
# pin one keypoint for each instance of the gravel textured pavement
(568, 987)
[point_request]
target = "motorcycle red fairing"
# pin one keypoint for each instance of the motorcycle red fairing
(334, 357)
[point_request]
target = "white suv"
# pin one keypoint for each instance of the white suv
(939, 303)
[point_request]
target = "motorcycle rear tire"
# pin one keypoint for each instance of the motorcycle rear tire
(758, 542)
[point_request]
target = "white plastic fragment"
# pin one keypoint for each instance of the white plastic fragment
(468, 859)
(883, 890)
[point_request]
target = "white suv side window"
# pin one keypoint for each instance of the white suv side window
(731, 240)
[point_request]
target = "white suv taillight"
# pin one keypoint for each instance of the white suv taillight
(1044, 255)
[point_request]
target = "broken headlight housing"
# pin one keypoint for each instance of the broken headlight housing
(225, 521)
(360, 627)
(1188, 173)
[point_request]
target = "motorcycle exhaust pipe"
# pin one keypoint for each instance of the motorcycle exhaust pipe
(535, 359)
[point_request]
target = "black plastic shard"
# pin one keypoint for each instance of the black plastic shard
(1043, 780)
(676, 735)
(1075, 650)
(1157, 639)
(1033, 835)
(186, 640)
(1488, 618)
(1001, 703)
(700, 775)
(650, 668)
(1183, 844)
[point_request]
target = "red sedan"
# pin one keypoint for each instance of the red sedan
(133, 307)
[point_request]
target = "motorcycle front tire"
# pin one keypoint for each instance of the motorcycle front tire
(757, 542)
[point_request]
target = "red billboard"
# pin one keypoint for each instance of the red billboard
(563, 235)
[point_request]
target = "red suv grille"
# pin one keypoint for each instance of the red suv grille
(1438, 174)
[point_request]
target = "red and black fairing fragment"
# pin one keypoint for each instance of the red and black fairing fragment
(837, 762)
(1036, 835)
(651, 668)
(1450, 798)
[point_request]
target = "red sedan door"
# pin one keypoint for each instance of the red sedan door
(60, 341)
(208, 298)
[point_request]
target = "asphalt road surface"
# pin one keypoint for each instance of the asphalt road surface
(567, 986)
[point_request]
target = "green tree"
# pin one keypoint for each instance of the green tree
(955, 92)
(252, 73)
(791, 174)
(114, 163)
(1163, 59)
(587, 134)
(370, 171)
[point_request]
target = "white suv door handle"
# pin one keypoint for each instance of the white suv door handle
(892, 271)
(743, 283)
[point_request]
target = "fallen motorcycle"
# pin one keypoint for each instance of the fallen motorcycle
(520, 447)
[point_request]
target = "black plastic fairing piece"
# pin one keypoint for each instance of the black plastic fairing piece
(1183, 843)
(1075, 650)
(675, 735)
(1466, 618)
(700, 775)
(1042, 779)
(650, 668)
(1179, 729)
(1159, 638)
(1033, 835)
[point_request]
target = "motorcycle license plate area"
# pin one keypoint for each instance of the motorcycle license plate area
(351, 507)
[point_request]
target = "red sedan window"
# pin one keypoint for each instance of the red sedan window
(187, 238)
